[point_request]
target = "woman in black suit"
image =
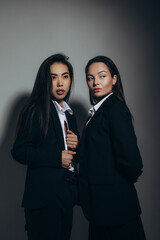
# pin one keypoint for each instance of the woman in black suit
(110, 161)
(46, 141)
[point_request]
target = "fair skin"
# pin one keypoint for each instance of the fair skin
(60, 86)
(60, 81)
(99, 80)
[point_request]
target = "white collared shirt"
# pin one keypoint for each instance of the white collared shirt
(96, 107)
(62, 117)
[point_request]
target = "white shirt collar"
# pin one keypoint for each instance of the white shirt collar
(64, 108)
(95, 107)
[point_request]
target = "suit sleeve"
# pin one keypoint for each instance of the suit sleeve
(126, 152)
(30, 149)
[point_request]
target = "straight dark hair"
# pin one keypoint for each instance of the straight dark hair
(117, 88)
(40, 97)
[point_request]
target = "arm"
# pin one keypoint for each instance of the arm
(30, 148)
(127, 155)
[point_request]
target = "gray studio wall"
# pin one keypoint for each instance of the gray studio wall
(126, 31)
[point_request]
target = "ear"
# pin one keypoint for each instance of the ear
(114, 79)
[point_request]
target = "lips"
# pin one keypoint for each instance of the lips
(95, 90)
(60, 91)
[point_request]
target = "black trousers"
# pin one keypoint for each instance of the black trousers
(54, 221)
(132, 230)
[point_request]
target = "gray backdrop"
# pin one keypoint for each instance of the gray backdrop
(127, 32)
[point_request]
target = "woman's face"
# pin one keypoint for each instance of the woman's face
(99, 80)
(60, 81)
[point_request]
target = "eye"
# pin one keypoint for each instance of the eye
(53, 77)
(66, 76)
(90, 78)
(102, 76)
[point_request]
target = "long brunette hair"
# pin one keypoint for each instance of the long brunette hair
(41, 94)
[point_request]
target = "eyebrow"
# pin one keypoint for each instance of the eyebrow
(102, 71)
(97, 73)
(61, 74)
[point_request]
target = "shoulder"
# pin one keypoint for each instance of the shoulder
(112, 100)
(120, 114)
(113, 103)
(115, 108)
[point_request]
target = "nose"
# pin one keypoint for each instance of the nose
(96, 81)
(60, 82)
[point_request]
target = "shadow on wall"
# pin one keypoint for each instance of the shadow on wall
(12, 180)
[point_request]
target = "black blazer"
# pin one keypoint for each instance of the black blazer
(45, 175)
(110, 163)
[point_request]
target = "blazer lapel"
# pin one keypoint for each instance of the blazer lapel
(69, 120)
(106, 102)
(71, 127)
(57, 126)
(91, 121)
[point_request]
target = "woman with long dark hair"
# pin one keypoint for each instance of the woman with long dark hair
(110, 161)
(46, 141)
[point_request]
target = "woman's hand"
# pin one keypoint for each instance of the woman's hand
(72, 140)
(67, 157)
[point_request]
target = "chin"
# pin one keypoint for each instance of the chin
(98, 95)
(60, 98)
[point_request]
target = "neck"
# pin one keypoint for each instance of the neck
(97, 100)
(60, 103)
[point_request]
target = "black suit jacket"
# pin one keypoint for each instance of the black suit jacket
(110, 163)
(45, 175)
